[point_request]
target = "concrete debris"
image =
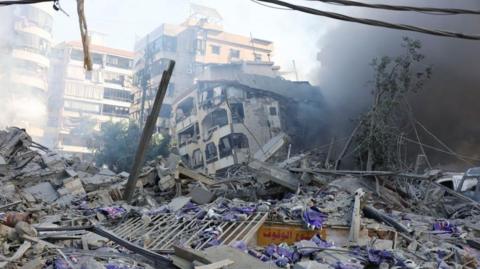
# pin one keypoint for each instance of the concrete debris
(61, 212)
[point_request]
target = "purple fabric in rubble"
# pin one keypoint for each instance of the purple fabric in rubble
(378, 256)
(320, 242)
(282, 261)
(113, 212)
(445, 226)
(314, 218)
(190, 207)
(340, 265)
(241, 245)
(245, 210)
(61, 264)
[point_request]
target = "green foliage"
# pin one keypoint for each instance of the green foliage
(116, 143)
(395, 78)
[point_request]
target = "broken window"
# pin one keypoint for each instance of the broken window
(230, 142)
(185, 159)
(273, 111)
(216, 118)
(238, 114)
(215, 49)
(235, 93)
(211, 152)
(197, 159)
(185, 109)
(186, 136)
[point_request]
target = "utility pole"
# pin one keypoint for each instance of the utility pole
(147, 133)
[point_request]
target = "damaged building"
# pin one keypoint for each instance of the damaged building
(233, 114)
(199, 41)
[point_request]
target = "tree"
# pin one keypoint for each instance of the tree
(395, 79)
(115, 145)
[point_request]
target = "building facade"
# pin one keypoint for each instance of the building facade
(233, 113)
(26, 38)
(198, 42)
(81, 101)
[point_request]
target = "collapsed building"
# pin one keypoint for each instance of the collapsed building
(233, 114)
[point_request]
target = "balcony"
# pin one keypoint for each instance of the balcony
(31, 56)
(30, 80)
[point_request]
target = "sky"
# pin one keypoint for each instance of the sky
(295, 35)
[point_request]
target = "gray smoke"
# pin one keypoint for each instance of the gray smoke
(447, 105)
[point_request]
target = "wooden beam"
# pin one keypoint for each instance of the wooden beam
(147, 133)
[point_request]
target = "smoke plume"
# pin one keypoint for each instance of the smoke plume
(448, 104)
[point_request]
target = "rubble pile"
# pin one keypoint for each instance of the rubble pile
(64, 213)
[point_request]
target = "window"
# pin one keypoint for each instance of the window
(197, 159)
(215, 49)
(273, 111)
(170, 43)
(230, 142)
(200, 48)
(211, 152)
(187, 136)
(115, 110)
(119, 62)
(97, 58)
(76, 55)
(81, 106)
(257, 57)
(215, 118)
(114, 78)
(238, 113)
(119, 95)
(234, 53)
(165, 43)
(83, 91)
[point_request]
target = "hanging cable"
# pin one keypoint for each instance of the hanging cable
(433, 10)
(23, 2)
(371, 22)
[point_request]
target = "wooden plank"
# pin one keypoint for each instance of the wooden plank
(194, 175)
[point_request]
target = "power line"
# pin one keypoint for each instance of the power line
(274, 7)
(371, 22)
(23, 2)
(451, 11)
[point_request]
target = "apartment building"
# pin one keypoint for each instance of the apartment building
(81, 101)
(26, 33)
(233, 113)
(197, 42)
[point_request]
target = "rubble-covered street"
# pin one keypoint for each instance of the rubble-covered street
(64, 213)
